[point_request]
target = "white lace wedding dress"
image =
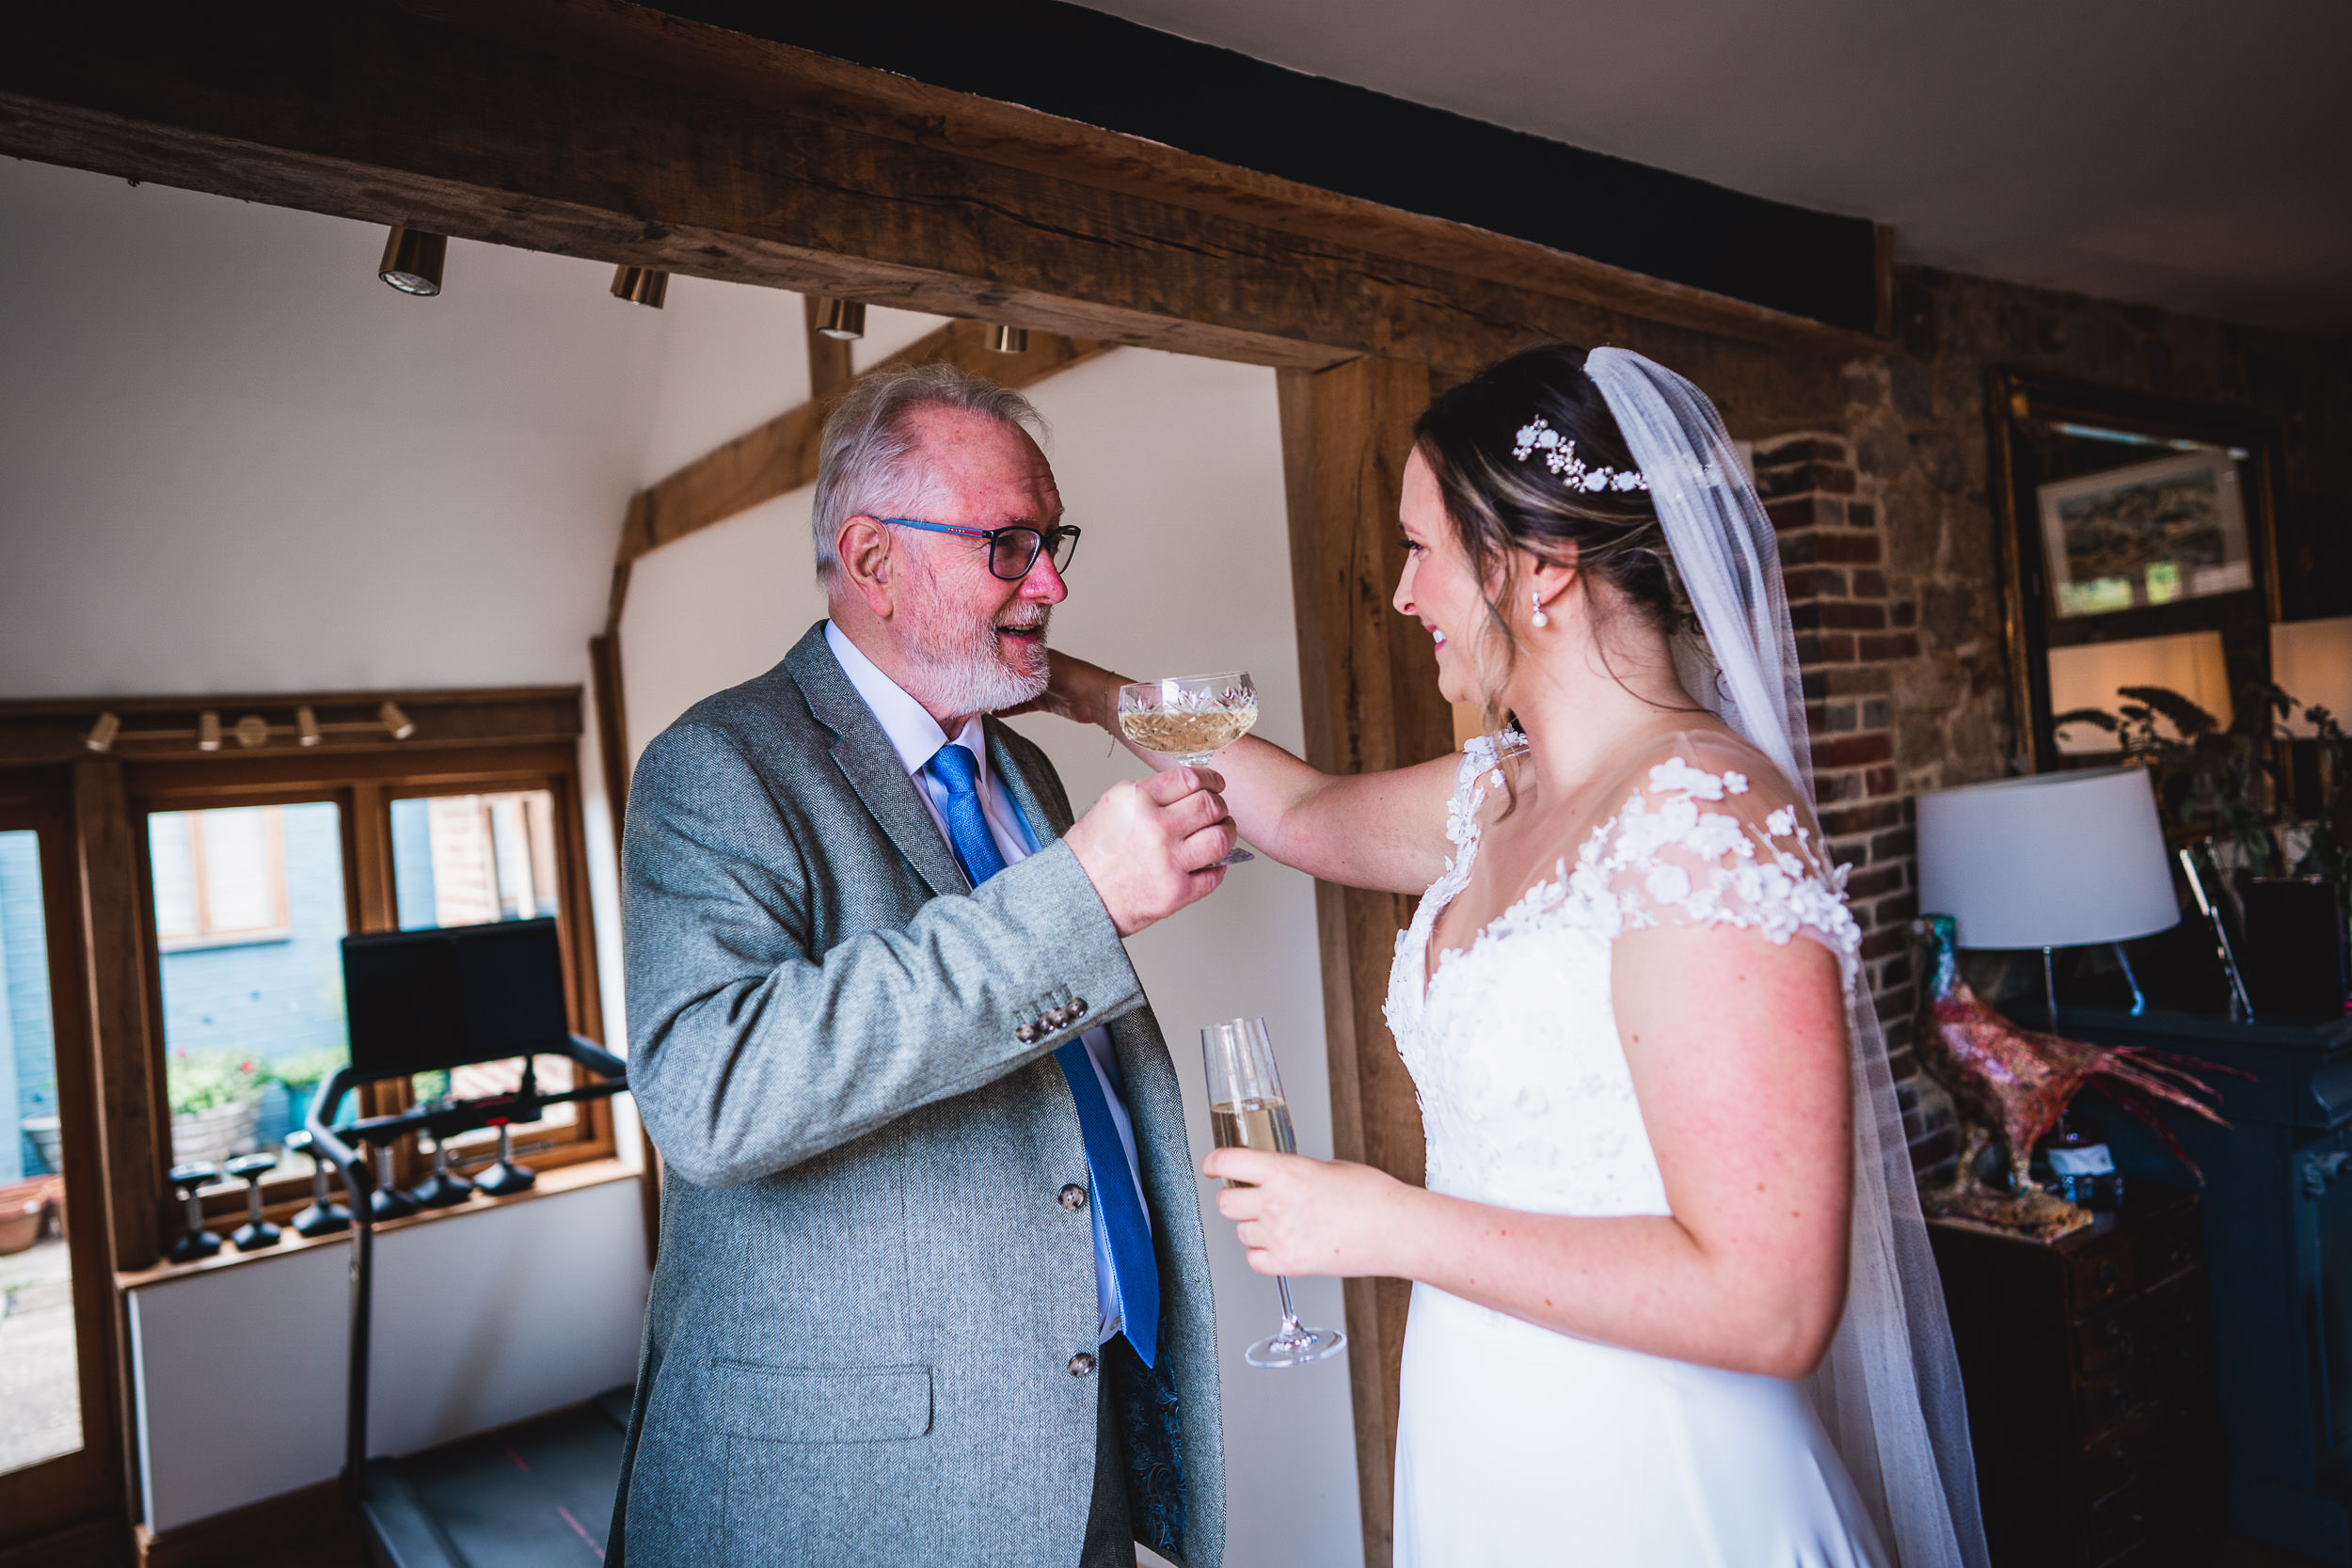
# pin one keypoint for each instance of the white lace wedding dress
(1520, 1446)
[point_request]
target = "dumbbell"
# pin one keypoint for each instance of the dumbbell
(505, 1177)
(444, 1188)
(324, 1218)
(195, 1241)
(387, 1202)
(256, 1233)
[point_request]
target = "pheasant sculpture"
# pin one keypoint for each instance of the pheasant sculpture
(2013, 1085)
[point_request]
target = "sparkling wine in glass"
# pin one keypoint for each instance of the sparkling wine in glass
(1247, 1110)
(1191, 718)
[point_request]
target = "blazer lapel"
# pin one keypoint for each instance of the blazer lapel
(870, 762)
(1043, 820)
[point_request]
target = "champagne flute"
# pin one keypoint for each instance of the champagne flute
(1191, 718)
(1247, 1110)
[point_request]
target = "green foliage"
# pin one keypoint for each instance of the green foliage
(303, 1068)
(2225, 781)
(213, 1079)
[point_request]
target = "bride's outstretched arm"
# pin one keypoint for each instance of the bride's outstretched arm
(1739, 1056)
(1383, 831)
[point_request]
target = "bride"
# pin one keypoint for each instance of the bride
(1672, 1303)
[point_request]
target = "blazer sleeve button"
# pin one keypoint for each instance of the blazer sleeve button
(1073, 1197)
(1081, 1363)
(1056, 1018)
(1027, 1034)
(1078, 1007)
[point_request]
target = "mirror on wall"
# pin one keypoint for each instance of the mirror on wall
(2138, 550)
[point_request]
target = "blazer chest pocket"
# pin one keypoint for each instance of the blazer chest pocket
(793, 1404)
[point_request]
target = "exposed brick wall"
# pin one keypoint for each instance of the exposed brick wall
(1857, 629)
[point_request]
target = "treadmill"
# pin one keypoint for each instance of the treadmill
(540, 1491)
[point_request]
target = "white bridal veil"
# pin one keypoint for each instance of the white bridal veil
(1889, 1389)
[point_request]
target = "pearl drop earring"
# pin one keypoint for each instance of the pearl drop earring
(1541, 619)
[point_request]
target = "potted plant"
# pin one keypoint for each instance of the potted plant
(2290, 877)
(215, 1096)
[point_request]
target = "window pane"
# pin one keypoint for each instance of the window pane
(40, 1399)
(253, 996)
(467, 859)
(464, 860)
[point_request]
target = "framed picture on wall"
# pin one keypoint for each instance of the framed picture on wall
(2146, 533)
(2136, 550)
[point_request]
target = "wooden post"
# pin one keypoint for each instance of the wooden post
(113, 934)
(1371, 695)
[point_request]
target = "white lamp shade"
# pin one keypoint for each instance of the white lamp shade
(2312, 662)
(2089, 674)
(2057, 860)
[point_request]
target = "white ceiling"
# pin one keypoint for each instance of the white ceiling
(2195, 154)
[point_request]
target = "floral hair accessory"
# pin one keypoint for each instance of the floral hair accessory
(1559, 457)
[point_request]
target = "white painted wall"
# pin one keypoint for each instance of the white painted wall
(235, 461)
(1174, 467)
(481, 1320)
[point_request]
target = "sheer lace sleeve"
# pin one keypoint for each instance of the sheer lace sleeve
(1701, 840)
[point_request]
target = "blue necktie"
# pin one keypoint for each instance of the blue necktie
(1136, 1274)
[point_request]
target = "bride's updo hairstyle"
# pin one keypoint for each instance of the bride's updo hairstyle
(1501, 504)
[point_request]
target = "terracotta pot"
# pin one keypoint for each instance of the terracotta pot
(211, 1136)
(20, 1224)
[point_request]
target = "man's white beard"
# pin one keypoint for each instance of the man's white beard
(958, 662)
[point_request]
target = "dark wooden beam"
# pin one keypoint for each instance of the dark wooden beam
(1370, 696)
(780, 456)
(52, 730)
(597, 129)
(114, 936)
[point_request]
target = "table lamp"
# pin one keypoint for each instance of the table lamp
(2053, 860)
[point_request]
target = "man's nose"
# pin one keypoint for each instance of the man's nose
(1044, 580)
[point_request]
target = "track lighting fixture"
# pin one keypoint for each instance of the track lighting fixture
(208, 731)
(1010, 339)
(641, 285)
(844, 319)
(101, 734)
(399, 726)
(305, 727)
(412, 261)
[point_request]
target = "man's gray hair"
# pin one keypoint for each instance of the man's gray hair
(867, 461)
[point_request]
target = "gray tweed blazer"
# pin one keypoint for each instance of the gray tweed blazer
(870, 1296)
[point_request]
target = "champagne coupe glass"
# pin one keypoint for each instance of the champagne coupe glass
(1191, 718)
(1247, 1110)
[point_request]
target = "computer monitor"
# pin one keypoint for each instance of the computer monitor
(417, 1001)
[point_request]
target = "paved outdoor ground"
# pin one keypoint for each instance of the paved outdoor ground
(41, 1411)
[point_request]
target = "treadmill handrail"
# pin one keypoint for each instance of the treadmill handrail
(359, 1181)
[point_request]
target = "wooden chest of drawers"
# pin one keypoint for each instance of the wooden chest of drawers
(2088, 1366)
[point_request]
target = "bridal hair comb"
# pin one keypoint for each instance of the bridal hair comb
(1559, 457)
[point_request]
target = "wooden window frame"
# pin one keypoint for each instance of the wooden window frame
(363, 787)
(90, 1482)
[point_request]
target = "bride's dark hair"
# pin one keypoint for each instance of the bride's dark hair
(1500, 505)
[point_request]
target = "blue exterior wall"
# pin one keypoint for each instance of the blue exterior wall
(28, 1081)
(271, 999)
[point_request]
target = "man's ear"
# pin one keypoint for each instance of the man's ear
(866, 564)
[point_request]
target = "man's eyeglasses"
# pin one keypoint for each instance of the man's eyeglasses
(1011, 551)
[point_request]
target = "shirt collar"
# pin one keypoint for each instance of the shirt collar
(914, 733)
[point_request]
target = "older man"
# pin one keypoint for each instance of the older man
(931, 1286)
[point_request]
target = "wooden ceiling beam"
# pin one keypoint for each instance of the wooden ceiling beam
(780, 456)
(597, 129)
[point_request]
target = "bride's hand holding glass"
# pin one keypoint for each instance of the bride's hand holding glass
(1299, 1215)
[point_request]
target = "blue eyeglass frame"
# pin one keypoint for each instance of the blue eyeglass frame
(1044, 538)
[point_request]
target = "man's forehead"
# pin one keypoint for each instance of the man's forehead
(985, 462)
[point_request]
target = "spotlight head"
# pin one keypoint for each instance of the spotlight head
(844, 319)
(101, 734)
(208, 731)
(412, 261)
(641, 285)
(395, 723)
(1010, 339)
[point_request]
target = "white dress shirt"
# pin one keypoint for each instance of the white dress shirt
(917, 737)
